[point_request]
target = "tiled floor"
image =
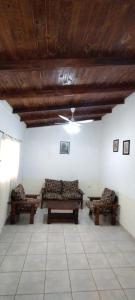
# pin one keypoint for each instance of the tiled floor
(66, 261)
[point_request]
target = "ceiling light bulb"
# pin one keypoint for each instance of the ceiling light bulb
(72, 128)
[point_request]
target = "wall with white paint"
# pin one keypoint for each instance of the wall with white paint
(41, 157)
(117, 170)
(10, 124)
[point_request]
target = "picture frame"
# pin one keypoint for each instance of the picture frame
(64, 147)
(116, 145)
(126, 147)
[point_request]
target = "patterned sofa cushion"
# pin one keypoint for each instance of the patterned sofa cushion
(108, 196)
(71, 195)
(70, 186)
(53, 196)
(18, 193)
(54, 186)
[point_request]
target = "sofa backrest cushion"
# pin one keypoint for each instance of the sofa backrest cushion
(18, 193)
(70, 186)
(54, 186)
(108, 196)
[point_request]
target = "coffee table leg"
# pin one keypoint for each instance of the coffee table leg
(49, 216)
(75, 213)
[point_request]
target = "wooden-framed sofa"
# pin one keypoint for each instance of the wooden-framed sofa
(22, 203)
(61, 190)
(106, 204)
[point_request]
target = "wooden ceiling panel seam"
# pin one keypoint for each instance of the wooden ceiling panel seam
(56, 55)
(80, 104)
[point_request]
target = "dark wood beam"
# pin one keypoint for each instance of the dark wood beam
(70, 90)
(52, 122)
(70, 104)
(67, 113)
(43, 64)
(57, 119)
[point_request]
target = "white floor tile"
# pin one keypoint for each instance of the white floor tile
(117, 260)
(97, 260)
(105, 279)
(85, 296)
(31, 283)
(74, 248)
(56, 248)
(37, 248)
(6, 297)
(57, 282)
(18, 249)
(12, 263)
(8, 283)
(126, 276)
(81, 280)
(34, 263)
(112, 295)
(56, 262)
(130, 294)
(62, 296)
(92, 247)
(77, 261)
(29, 297)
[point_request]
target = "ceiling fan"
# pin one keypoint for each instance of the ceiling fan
(72, 120)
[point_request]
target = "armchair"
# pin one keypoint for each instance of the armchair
(21, 203)
(106, 204)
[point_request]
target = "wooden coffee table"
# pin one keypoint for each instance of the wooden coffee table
(63, 205)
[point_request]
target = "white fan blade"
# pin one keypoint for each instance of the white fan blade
(64, 118)
(85, 121)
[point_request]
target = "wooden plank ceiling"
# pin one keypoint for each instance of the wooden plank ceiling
(58, 54)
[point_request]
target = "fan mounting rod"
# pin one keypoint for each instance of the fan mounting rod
(72, 110)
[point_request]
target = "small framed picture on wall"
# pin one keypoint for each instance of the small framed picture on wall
(126, 147)
(64, 147)
(116, 145)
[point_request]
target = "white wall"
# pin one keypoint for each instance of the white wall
(11, 125)
(117, 170)
(41, 158)
(9, 122)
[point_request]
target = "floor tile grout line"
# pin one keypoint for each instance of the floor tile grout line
(118, 280)
(23, 266)
(93, 277)
(68, 269)
(102, 252)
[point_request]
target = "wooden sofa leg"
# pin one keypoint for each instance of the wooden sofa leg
(13, 214)
(32, 213)
(90, 212)
(81, 204)
(97, 216)
(42, 201)
(113, 216)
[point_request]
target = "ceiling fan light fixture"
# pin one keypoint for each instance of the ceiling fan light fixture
(72, 128)
(85, 121)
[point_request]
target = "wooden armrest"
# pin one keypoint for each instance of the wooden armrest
(32, 195)
(94, 198)
(25, 202)
(81, 192)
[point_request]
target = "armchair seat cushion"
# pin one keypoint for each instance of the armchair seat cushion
(72, 195)
(52, 196)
